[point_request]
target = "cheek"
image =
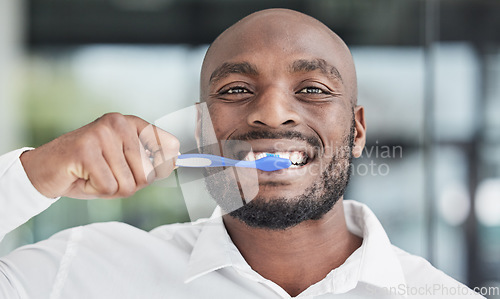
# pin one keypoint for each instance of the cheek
(224, 120)
(334, 113)
(333, 124)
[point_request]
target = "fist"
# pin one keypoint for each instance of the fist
(114, 156)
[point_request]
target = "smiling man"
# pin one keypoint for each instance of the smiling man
(282, 82)
(287, 85)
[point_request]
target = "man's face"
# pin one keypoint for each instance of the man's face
(284, 89)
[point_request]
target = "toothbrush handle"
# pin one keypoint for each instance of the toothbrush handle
(216, 161)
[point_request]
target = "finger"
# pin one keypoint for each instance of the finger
(138, 123)
(169, 150)
(136, 154)
(163, 146)
(147, 165)
(115, 157)
(96, 180)
(138, 161)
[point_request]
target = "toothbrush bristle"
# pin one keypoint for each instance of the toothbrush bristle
(271, 155)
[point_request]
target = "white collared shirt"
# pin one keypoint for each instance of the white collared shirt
(190, 260)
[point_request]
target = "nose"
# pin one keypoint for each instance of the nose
(273, 109)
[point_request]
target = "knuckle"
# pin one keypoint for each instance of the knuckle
(114, 120)
(112, 125)
(175, 144)
(142, 181)
(132, 117)
(109, 189)
(172, 145)
(127, 190)
(111, 116)
(103, 133)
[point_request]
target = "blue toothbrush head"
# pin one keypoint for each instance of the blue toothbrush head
(272, 162)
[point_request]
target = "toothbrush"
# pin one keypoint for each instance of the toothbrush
(269, 163)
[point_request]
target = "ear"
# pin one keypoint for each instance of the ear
(199, 117)
(359, 131)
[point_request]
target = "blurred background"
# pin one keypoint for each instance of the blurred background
(429, 78)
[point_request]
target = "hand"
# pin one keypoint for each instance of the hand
(108, 158)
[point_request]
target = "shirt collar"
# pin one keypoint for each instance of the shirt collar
(375, 261)
(213, 250)
(380, 265)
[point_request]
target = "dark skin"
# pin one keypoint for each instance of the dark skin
(278, 81)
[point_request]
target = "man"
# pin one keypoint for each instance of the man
(279, 80)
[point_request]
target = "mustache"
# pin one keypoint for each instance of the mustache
(292, 135)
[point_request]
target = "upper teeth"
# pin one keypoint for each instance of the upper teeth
(294, 157)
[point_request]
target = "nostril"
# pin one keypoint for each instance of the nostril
(285, 123)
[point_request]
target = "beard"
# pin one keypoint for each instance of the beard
(281, 213)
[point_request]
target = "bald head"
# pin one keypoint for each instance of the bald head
(282, 31)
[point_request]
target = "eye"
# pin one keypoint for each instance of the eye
(313, 90)
(235, 90)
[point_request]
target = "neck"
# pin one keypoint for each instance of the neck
(297, 257)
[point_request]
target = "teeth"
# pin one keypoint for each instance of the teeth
(295, 157)
(284, 155)
(259, 156)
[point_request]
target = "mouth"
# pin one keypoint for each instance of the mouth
(297, 158)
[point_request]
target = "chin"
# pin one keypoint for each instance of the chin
(278, 192)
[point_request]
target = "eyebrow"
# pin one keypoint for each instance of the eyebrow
(304, 65)
(228, 68)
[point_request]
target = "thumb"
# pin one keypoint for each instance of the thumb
(159, 145)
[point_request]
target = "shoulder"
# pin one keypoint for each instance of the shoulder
(79, 258)
(422, 275)
(177, 234)
(121, 237)
(416, 267)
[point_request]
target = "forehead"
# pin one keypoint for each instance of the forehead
(275, 42)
